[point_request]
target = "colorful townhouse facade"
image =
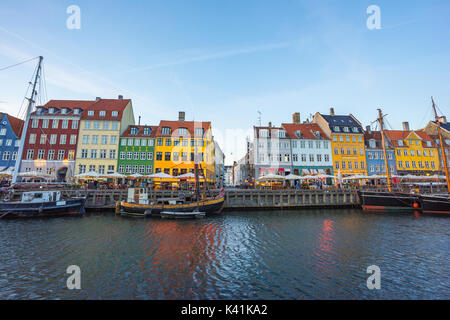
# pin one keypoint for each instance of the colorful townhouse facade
(311, 148)
(102, 123)
(180, 144)
(347, 142)
(375, 159)
(10, 135)
(432, 130)
(415, 152)
(137, 150)
(272, 151)
(51, 140)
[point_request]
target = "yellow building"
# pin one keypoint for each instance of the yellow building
(347, 142)
(415, 152)
(102, 124)
(179, 144)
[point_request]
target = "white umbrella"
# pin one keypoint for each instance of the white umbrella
(356, 177)
(113, 175)
(31, 174)
(292, 177)
(160, 175)
(188, 175)
(90, 174)
(271, 177)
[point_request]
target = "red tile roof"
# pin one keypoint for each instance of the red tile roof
(307, 131)
(189, 125)
(395, 135)
(140, 132)
(16, 124)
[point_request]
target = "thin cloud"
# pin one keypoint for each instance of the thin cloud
(216, 55)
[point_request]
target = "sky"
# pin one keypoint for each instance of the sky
(234, 63)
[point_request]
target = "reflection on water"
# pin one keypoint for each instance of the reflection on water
(307, 254)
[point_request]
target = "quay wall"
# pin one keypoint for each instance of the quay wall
(235, 198)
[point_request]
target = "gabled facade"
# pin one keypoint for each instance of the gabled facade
(415, 152)
(432, 130)
(101, 126)
(10, 134)
(180, 144)
(376, 164)
(136, 150)
(347, 142)
(52, 137)
(311, 149)
(271, 151)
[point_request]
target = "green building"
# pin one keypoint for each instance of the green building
(136, 150)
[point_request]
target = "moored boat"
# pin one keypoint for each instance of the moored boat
(388, 201)
(439, 204)
(40, 204)
(182, 215)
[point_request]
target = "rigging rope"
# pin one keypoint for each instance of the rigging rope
(17, 64)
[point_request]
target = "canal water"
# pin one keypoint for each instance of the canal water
(304, 254)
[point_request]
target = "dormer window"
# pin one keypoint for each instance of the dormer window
(400, 143)
(115, 113)
(102, 113)
(355, 129)
(337, 129)
(372, 143)
(51, 110)
(165, 130)
(199, 132)
(147, 131)
(134, 131)
(90, 113)
(76, 111)
(428, 143)
(298, 133)
(346, 129)
(264, 133)
(182, 131)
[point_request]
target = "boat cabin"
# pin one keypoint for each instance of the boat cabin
(137, 195)
(40, 196)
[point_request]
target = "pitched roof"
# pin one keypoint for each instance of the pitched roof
(373, 135)
(395, 135)
(140, 133)
(16, 124)
(307, 131)
(189, 125)
(271, 131)
(341, 122)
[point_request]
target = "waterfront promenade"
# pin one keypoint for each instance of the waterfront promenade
(235, 198)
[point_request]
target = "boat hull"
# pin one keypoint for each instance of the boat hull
(143, 210)
(16, 210)
(434, 204)
(388, 201)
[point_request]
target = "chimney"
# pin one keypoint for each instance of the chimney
(270, 124)
(120, 97)
(332, 112)
(368, 130)
(296, 118)
(443, 119)
(139, 121)
(181, 116)
(405, 126)
(98, 99)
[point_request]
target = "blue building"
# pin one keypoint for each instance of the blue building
(375, 156)
(10, 132)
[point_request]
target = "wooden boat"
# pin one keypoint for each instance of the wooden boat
(40, 204)
(182, 215)
(389, 201)
(439, 204)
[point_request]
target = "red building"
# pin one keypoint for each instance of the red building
(52, 137)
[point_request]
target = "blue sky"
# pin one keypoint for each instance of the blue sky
(223, 61)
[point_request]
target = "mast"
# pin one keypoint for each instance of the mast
(386, 163)
(27, 120)
(444, 156)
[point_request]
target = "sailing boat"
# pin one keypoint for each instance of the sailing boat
(39, 203)
(438, 203)
(388, 201)
(186, 206)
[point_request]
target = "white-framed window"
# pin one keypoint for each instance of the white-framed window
(121, 168)
(101, 169)
(87, 124)
(62, 139)
(93, 154)
(84, 153)
(30, 154)
(102, 153)
(123, 142)
(122, 155)
(94, 139)
(6, 155)
(35, 123)
(105, 125)
(114, 113)
(71, 155)
(43, 139)
(149, 155)
(65, 123)
(112, 154)
(45, 123)
(91, 113)
(92, 167)
(32, 139)
(55, 123)
(51, 155)
(74, 124)
(53, 138)
(102, 113)
(113, 140)
(104, 139)
(73, 139)
(41, 154)
(82, 168)
(96, 125)
(61, 154)
(115, 125)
